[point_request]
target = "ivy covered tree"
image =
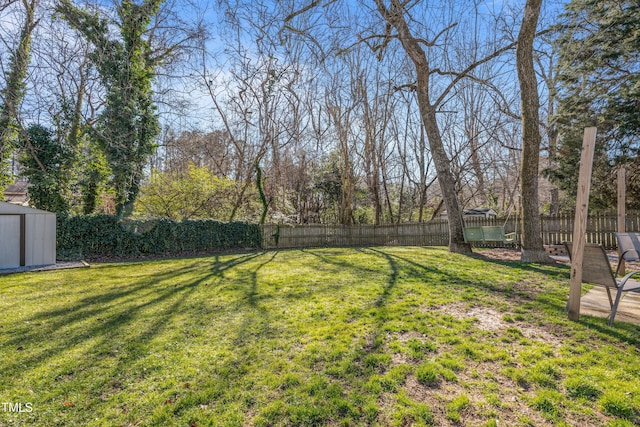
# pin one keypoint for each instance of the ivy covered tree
(13, 92)
(50, 176)
(599, 85)
(93, 175)
(128, 125)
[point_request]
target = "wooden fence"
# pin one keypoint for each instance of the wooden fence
(555, 230)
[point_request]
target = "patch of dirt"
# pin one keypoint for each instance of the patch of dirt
(489, 319)
(503, 397)
(403, 337)
(500, 254)
(399, 358)
(539, 334)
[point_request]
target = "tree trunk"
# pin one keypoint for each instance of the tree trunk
(260, 187)
(445, 178)
(476, 165)
(554, 208)
(532, 244)
(395, 17)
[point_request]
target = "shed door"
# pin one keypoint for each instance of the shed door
(9, 241)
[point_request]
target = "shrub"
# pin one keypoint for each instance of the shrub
(103, 235)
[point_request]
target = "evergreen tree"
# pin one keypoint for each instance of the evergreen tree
(599, 85)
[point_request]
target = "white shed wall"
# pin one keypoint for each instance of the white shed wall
(40, 239)
(39, 236)
(9, 241)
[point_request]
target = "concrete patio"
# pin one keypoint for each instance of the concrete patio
(596, 303)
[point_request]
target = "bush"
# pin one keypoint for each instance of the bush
(102, 235)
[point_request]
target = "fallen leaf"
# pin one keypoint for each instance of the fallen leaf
(169, 401)
(186, 385)
(193, 424)
(69, 404)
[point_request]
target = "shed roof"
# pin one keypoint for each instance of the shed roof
(18, 187)
(17, 193)
(10, 208)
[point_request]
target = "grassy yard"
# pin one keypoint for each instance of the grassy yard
(338, 337)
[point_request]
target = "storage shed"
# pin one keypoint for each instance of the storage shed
(27, 236)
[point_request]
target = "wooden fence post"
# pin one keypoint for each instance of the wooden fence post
(622, 214)
(580, 226)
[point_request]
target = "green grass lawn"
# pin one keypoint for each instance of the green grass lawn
(339, 337)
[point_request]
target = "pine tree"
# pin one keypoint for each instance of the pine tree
(599, 85)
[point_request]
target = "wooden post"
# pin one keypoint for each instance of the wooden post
(23, 240)
(580, 225)
(622, 214)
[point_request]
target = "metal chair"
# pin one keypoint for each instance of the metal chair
(596, 270)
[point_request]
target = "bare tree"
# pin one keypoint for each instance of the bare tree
(258, 101)
(340, 113)
(394, 15)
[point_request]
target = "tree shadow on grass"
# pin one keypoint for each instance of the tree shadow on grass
(373, 341)
(623, 332)
(122, 323)
(252, 292)
(339, 264)
(549, 298)
(103, 319)
(448, 279)
(254, 327)
(394, 272)
(220, 267)
(546, 269)
(255, 331)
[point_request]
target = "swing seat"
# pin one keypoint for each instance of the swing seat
(488, 233)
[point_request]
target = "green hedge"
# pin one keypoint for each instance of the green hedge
(102, 235)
